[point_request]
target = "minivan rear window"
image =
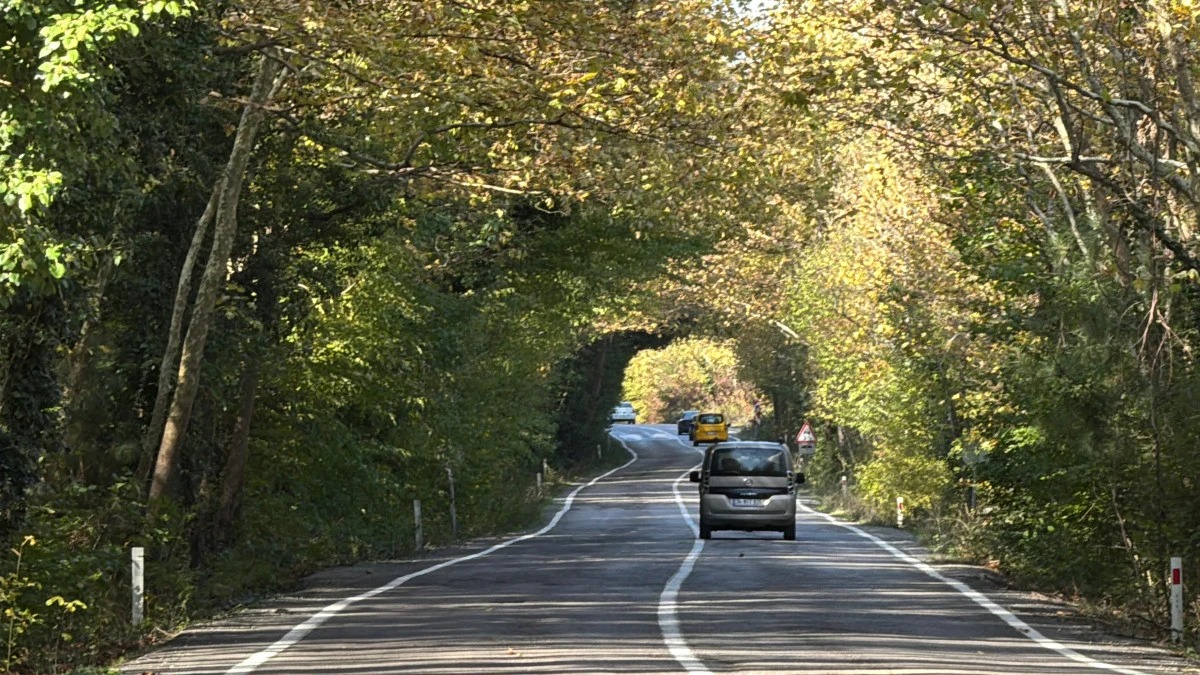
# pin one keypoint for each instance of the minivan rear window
(749, 462)
(710, 418)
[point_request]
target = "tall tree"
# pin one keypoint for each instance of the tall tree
(266, 85)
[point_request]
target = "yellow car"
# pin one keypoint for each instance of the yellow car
(709, 427)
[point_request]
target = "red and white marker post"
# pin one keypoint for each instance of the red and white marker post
(1176, 599)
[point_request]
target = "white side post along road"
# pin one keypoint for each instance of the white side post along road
(616, 582)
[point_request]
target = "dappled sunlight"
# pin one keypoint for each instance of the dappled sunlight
(590, 595)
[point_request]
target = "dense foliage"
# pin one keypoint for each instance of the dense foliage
(691, 374)
(271, 271)
(999, 282)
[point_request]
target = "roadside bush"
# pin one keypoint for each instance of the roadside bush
(923, 482)
(65, 588)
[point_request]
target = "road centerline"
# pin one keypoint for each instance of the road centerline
(668, 605)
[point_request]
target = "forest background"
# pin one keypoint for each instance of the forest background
(269, 270)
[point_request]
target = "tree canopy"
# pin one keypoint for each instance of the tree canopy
(251, 253)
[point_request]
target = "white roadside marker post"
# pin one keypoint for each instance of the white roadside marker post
(419, 536)
(1176, 599)
(138, 575)
(899, 511)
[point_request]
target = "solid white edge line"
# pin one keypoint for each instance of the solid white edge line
(300, 631)
(668, 606)
(979, 599)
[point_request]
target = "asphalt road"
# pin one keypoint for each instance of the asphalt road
(617, 582)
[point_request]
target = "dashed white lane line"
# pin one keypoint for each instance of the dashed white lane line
(668, 605)
(300, 631)
(979, 599)
(672, 631)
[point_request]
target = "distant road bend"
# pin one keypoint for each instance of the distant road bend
(617, 582)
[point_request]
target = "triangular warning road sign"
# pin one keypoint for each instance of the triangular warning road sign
(805, 437)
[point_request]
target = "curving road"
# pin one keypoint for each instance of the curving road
(618, 583)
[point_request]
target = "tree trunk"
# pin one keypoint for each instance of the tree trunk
(170, 359)
(79, 432)
(234, 475)
(598, 387)
(269, 77)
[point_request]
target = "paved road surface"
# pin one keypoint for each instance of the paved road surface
(618, 583)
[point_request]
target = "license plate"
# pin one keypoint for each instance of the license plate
(747, 502)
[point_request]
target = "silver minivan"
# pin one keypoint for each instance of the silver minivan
(747, 485)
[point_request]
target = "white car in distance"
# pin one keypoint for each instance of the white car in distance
(624, 412)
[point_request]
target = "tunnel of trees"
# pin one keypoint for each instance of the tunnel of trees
(269, 270)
